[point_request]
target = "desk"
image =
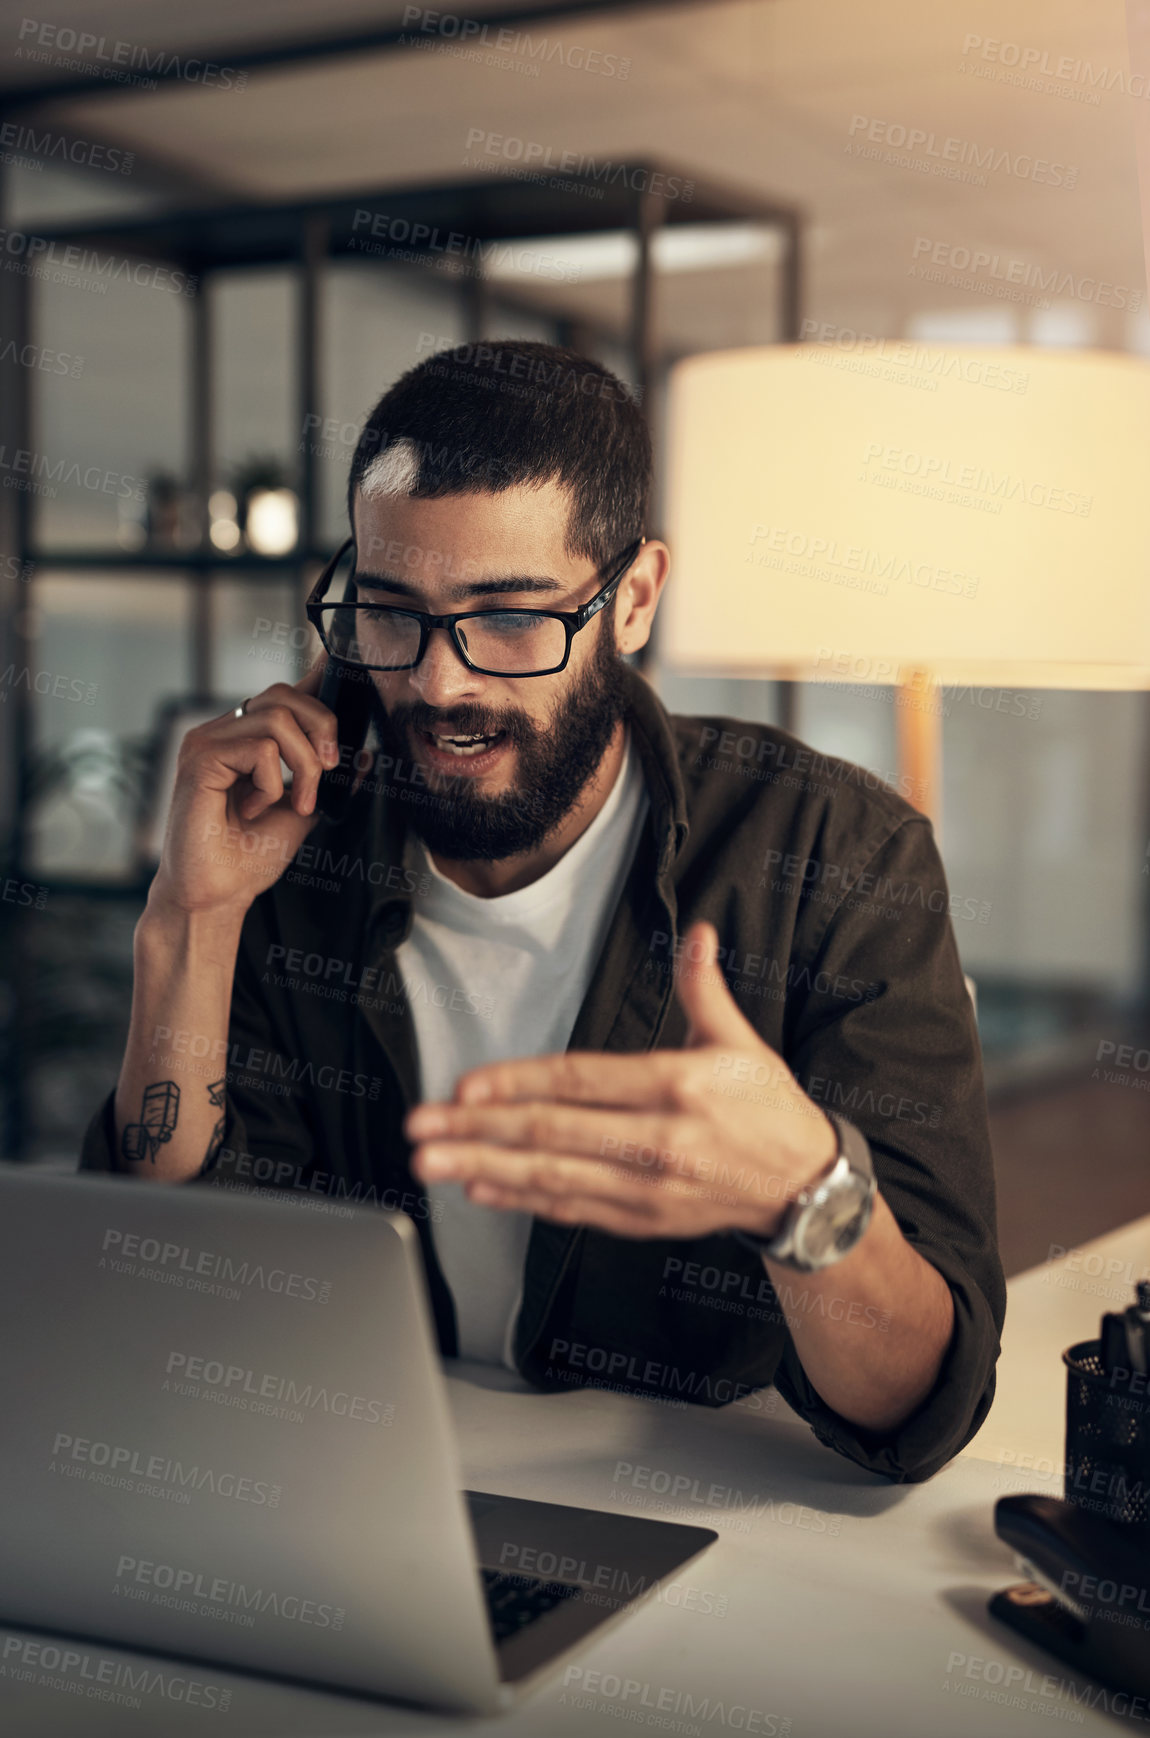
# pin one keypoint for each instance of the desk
(1049, 1308)
(840, 1606)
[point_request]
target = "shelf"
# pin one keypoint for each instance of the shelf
(125, 560)
(484, 209)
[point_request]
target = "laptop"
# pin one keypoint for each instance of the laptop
(227, 1438)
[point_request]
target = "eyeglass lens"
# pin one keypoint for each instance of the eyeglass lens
(504, 641)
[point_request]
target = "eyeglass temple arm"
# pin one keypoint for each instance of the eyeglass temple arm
(591, 609)
(319, 589)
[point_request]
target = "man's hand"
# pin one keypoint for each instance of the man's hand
(233, 827)
(681, 1143)
(675, 1143)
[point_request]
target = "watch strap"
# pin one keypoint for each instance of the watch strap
(855, 1148)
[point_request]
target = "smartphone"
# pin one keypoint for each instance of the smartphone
(349, 693)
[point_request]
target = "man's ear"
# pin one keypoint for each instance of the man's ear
(638, 596)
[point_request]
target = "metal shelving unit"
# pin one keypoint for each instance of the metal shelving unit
(205, 242)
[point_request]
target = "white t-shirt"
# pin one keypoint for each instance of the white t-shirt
(491, 979)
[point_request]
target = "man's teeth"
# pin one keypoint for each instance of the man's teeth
(463, 745)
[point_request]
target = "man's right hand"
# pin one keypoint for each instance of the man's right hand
(233, 827)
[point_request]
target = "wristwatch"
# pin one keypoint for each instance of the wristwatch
(829, 1214)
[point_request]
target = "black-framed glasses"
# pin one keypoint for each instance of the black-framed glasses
(495, 642)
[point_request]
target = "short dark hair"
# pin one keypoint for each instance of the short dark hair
(485, 417)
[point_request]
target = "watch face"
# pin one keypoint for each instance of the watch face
(828, 1228)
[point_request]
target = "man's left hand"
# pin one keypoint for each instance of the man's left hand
(717, 1136)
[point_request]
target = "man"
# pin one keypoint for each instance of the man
(629, 1033)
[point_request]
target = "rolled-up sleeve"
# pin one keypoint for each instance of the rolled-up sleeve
(903, 1064)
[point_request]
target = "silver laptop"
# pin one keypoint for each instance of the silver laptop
(227, 1437)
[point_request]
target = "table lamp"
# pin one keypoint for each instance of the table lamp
(898, 513)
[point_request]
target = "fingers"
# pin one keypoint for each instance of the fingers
(713, 1016)
(267, 779)
(644, 1142)
(313, 718)
(541, 1177)
(283, 731)
(578, 1077)
(279, 725)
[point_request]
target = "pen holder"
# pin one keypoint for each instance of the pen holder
(1107, 1440)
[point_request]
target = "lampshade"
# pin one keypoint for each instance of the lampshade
(865, 512)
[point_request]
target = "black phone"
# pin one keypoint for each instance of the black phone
(349, 693)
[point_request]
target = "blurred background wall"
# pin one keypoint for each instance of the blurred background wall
(226, 230)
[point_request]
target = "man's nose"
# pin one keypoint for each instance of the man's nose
(441, 678)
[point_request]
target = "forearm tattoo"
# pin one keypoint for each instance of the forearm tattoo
(159, 1113)
(216, 1096)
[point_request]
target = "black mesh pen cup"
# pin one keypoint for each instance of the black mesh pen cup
(1107, 1439)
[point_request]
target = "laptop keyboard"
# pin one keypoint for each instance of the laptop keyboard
(514, 1601)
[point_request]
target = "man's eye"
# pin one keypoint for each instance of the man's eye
(507, 622)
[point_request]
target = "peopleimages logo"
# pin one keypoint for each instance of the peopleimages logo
(44, 682)
(136, 1578)
(173, 1263)
(954, 158)
(415, 239)
(79, 151)
(36, 254)
(860, 568)
(1048, 280)
(477, 33)
(935, 473)
(131, 1469)
(82, 51)
(200, 1378)
(21, 466)
(1018, 1686)
(667, 1708)
(99, 1679)
(285, 1072)
(46, 361)
(529, 155)
(683, 1490)
(1022, 63)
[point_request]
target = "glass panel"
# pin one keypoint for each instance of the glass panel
(75, 997)
(1063, 327)
(716, 696)
(585, 279)
(39, 195)
(109, 398)
(962, 326)
(507, 319)
(254, 387)
(108, 652)
(856, 724)
(718, 286)
(260, 634)
(1033, 831)
(377, 322)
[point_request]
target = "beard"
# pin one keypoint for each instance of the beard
(554, 762)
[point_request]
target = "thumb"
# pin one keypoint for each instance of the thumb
(704, 997)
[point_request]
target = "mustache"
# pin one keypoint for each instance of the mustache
(466, 720)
